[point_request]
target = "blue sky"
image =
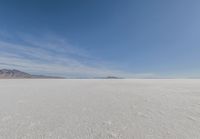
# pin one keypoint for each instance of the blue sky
(95, 38)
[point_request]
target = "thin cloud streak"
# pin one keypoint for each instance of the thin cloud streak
(53, 56)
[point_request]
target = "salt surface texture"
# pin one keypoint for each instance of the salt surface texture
(99, 109)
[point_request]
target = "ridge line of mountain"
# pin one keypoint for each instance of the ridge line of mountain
(17, 74)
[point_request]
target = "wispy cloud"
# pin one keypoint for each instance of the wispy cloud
(52, 55)
(48, 55)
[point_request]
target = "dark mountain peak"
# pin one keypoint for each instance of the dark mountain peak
(113, 77)
(7, 73)
(17, 74)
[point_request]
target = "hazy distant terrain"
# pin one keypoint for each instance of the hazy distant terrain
(16, 74)
(100, 109)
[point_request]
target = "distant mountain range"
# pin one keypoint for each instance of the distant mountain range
(16, 74)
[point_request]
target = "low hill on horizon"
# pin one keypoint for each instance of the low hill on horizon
(17, 74)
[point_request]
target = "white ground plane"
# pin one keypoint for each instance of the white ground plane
(99, 109)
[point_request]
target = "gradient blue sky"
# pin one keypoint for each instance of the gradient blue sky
(93, 38)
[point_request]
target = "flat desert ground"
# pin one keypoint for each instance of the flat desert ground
(100, 109)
